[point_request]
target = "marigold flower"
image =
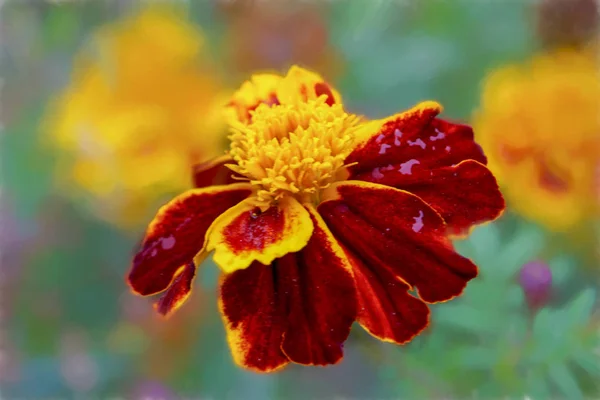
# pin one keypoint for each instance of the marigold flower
(142, 108)
(330, 219)
(538, 124)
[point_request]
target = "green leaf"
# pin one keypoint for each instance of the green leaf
(466, 317)
(515, 298)
(477, 358)
(546, 338)
(578, 311)
(524, 247)
(537, 386)
(484, 243)
(589, 361)
(562, 267)
(562, 377)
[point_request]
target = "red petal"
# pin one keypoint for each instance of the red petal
(464, 195)
(177, 233)
(395, 230)
(385, 309)
(419, 153)
(414, 138)
(322, 299)
(213, 172)
(179, 290)
(254, 314)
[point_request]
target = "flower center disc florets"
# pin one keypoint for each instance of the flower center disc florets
(292, 149)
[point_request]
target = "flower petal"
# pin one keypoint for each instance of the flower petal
(179, 291)
(464, 194)
(395, 230)
(419, 153)
(385, 308)
(321, 299)
(244, 234)
(213, 172)
(413, 135)
(301, 85)
(260, 89)
(254, 316)
(177, 234)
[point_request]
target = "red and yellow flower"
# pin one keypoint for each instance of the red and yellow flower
(327, 220)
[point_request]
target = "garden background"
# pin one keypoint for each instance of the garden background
(527, 327)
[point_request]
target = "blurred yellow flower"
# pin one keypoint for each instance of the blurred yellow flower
(141, 95)
(539, 124)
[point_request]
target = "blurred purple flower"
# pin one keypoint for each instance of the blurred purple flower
(152, 390)
(15, 234)
(535, 279)
(78, 368)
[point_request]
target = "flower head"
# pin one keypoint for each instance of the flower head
(329, 219)
(131, 127)
(539, 126)
(292, 149)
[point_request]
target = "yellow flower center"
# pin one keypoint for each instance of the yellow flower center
(293, 149)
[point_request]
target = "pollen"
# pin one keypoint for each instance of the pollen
(295, 150)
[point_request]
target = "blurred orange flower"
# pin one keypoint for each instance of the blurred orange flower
(143, 106)
(274, 36)
(539, 126)
(567, 23)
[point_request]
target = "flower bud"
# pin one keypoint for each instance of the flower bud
(535, 279)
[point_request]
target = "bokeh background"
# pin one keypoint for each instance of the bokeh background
(106, 105)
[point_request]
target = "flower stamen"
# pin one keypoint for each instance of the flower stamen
(292, 149)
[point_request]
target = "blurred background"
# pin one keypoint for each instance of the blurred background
(106, 105)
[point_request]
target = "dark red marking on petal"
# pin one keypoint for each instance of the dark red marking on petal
(213, 172)
(321, 300)
(270, 100)
(551, 180)
(415, 140)
(253, 230)
(396, 230)
(255, 317)
(178, 292)
(513, 155)
(464, 195)
(177, 233)
(385, 308)
(321, 88)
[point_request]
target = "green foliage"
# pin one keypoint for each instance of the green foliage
(486, 343)
(399, 53)
(24, 165)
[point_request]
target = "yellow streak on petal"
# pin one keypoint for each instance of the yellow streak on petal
(293, 236)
